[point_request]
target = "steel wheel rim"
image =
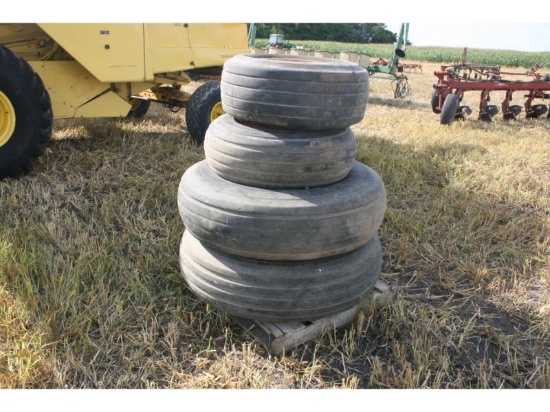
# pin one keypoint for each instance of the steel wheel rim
(7, 119)
(217, 111)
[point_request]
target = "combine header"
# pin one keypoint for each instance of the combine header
(454, 81)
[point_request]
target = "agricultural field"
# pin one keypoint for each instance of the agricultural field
(91, 294)
(447, 55)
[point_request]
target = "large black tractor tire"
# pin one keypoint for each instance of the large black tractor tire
(203, 107)
(276, 158)
(280, 291)
(289, 224)
(294, 92)
(25, 115)
(140, 107)
(449, 109)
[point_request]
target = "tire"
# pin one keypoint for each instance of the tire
(275, 158)
(280, 291)
(290, 224)
(203, 107)
(140, 107)
(435, 102)
(449, 108)
(294, 92)
(25, 115)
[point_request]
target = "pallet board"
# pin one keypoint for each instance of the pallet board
(281, 337)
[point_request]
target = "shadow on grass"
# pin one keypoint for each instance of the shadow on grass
(445, 244)
(398, 103)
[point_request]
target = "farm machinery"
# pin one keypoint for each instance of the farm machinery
(453, 81)
(392, 69)
(65, 70)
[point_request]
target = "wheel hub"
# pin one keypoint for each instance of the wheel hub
(7, 119)
(217, 111)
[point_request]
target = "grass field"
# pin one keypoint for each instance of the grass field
(91, 294)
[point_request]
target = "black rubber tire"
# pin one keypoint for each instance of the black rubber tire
(140, 107)
(435, 102)
(198, 113)
(280, 291)
(289, 224)
(294, 92)
(449, 108)
(32, 108)
(275, 158)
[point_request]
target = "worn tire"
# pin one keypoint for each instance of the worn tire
(203, 107)
(289, 224)
(294, 92)
(275, 158)
(140, 107)
(449, 108)
(280, 291)
(25, 115)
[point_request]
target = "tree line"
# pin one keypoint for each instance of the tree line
(338, 32)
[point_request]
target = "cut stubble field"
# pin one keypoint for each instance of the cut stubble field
(91, 294)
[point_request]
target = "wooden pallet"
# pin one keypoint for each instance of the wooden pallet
(281, 337)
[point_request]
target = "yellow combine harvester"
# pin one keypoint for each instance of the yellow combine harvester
(54, 71)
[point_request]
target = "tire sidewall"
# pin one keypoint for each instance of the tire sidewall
(33, 114)
(281, 224)
(275, 158)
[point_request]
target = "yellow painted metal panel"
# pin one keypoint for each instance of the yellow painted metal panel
(107, 105)
(211, 35)
(213, 44)
(112, 52)
(167, 48)
(27, 40)
(175, 47)
(69, 84)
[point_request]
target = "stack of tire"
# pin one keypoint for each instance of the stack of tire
(281, 220)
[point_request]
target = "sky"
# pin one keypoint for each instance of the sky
(531, 37)
(478, 24)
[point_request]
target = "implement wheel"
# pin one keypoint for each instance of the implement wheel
(25, 115)
(205, 106)
(449, 108)
(140, 107)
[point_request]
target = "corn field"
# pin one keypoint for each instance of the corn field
(447, 55)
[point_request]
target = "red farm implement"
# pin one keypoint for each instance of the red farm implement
(454, 81)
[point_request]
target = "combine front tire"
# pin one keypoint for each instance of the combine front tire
(449, 108)
(25, 115)
(205, 106)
